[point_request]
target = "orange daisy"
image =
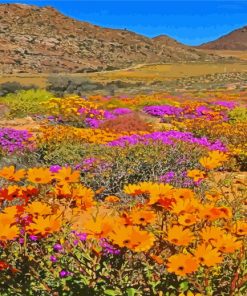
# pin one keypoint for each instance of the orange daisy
(179, 236)
(8, 232)
(187, 219)
(132, 238)
(39, 175)
(208, 256)
(183, 193)
(38, 208)
(112, 199)
(11, 174)
(44, 225)
(211, 234)
(240, 228)
(228, 244)
(142, 217)
(196, 175)
(182, 264)
(67, 176)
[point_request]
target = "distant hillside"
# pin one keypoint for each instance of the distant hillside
(236, 40)
(41, 39)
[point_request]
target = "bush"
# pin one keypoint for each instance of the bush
(62, 85)
(26, 102)
(238, 114)
(127, 123)
(13, 87)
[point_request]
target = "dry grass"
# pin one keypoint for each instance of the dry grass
(229, 53)
(143, 73)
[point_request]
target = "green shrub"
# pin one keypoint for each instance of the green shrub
(238, 114)
(26, 102)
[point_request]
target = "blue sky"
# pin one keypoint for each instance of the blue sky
(191, 22)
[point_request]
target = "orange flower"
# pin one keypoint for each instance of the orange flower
(209, 212)
(62, 190)
(96, 227)
(214, 160)
(157, 259)
(12, 212)
(112, 199)
(187, 219)
(196, 175)
(240, 228)
(84, 197)
(182, 264)
(227, 244)
(211, 234)
(9, 193)
(208, 256)
(132, 238)
(11, 174)
(183, 193)
(39, 175)
(44, 225)
(39, 208)
(179, 236)
(160, 192)
(67, 176)
(134, 189)
(142, 217)
(213, 195)
(187, 206)
(8, 230)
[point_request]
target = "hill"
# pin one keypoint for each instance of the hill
(235, 40)
(42, 40)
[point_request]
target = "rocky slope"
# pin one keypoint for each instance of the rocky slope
(235, 40)
(41, 39)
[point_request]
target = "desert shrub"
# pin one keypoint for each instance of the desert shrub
(113, 168)
(62, 85)
(127, 123)
(238, 114)
(66, 152)
(13, 87)
(26, 102)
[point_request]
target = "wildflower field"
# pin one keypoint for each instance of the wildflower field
(124, 195)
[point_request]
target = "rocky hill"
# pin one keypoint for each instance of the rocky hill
(235, 40)
(41, 39)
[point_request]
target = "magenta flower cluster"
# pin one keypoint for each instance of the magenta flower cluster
(168, 138)
(12, 140)
(163, 110)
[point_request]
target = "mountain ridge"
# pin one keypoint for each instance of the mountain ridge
(234, 40)
(37, 39)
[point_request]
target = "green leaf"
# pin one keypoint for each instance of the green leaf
(110, 292)
(131, 292)
(184, 286)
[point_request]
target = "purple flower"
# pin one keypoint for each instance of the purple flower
(167, 177)
(12, 140)
(121, 111)
(53, 258)
(108, 248)
(80, 236)
(21, 240)
(92, 122)
(163, 110)
(168, 138)
(33, 238)
(55, 168)
(64, 273)
(58, 248)
(226, 104)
